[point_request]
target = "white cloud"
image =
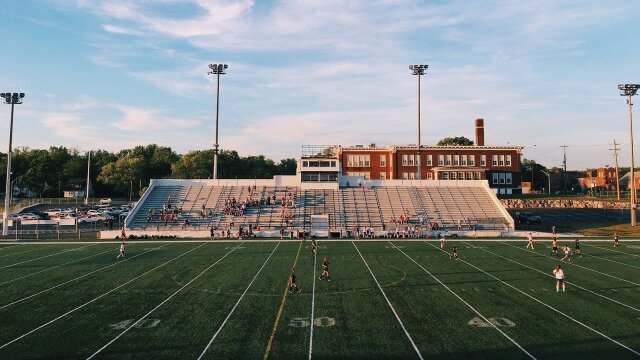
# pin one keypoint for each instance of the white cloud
(149, 120)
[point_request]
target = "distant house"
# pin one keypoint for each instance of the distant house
(602, 179)
(77, 188)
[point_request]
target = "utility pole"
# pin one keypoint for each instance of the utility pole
(86, 197)
(533, 164)
(564, 165)
(615, 157)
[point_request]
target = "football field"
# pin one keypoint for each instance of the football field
(387, 300)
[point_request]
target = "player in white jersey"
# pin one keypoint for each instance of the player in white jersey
(442, 241)
(567, 253)
(559, 275)
(121, 255)
(530, 243)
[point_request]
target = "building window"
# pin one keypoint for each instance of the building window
(508, 160)
(469, 175)
(483, 160)
(460, 176)
(405, 176)
(463, 160)
(305, 164)
(508, 177)
(445, 176)
(472, 160)
(453, 175)
(429, 160)
(333, 164)
(412, 176)
(502, 178)
(456, 160)
(440, 160)
(383, 176)
(477, 176)
(429, 176)
(495, 178)
(501, 163)
(448, 161)
(494, 160)
(405, 160)
(411, 160)
(383, 161)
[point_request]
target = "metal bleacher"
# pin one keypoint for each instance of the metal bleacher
(347, 208)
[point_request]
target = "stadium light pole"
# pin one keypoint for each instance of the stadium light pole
(217, 69)
(418, 70)
(86, 198)
(630, 90)
(12, 99)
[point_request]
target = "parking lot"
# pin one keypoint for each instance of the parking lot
(567, 219)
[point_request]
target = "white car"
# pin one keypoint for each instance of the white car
(28, 216)
(94, 212)
(53, 212)
(105, 201)
(92, 219)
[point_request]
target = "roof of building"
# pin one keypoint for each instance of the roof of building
(431, 147)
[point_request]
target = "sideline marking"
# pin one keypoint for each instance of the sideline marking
(46, 256)
(580, 266)
(237, 303)
(95, 299)
(618, 251)
(162, 303)
(74, 279)
(571, 283)
(19, 252)
(389, 303)
(313, 305)
(3, 246)
(547, 305)
(284, 299)
(55, 267)
(487, 320)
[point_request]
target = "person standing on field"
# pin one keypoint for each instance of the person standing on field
(560, 279)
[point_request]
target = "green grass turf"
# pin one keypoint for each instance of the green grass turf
(82, 299)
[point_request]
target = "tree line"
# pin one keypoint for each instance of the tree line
(49, 172)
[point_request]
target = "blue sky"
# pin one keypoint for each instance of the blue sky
(112, 74)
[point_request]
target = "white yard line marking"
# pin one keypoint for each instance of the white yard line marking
(576, 265)
(613, 261)
(97, 298)
(313, 306)
(162, 303)
(55, 267)
(6, 246)
(206, 348)
(615, 251)
(571, 283)
(466, 303)
(389, 303)
(74, 279)
(547, 305)
(46, 256)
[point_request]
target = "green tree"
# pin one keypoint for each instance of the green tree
(194, 165)
(455, 141)
(539, 178)
(120, 174)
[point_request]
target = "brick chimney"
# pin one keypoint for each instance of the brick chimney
(479, 132)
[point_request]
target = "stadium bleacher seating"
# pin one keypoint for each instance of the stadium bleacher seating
(348, 208)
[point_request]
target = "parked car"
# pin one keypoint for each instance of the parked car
(124, 214)
(53, 212)
(94, 212)
(528, 218)
(105, 201)
(28, 216)
(93, 219)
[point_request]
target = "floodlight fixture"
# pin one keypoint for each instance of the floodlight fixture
(217, 69)
(628, 89)
(418, 69)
